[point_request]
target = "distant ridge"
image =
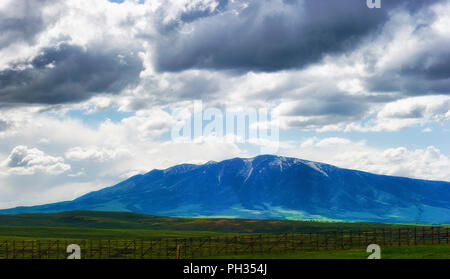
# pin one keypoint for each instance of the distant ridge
(269, 187)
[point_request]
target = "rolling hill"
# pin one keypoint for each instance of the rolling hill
(88, 220)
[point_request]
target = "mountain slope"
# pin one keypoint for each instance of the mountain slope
(269, 187)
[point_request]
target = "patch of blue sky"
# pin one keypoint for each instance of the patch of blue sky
(412, 138)
(96, 118)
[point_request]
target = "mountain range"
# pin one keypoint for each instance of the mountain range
(268, 187)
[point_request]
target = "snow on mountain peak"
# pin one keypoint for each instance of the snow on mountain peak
(316, 167)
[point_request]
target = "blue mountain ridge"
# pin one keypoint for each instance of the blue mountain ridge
(268, 187)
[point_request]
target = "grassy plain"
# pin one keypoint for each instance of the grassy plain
(97, 226)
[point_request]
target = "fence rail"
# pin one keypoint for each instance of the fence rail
(223, 245)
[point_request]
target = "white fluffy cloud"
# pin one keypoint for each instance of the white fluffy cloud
(408, 112)
(423, 163)
(26, 161)
(428, 163)
(94, 153)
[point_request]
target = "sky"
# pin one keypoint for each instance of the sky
(91, 91)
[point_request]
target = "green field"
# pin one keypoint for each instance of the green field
(124, 225)
(68, 233)
(95, 229)
(389, 252)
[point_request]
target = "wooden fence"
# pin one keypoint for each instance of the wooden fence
(223, 245)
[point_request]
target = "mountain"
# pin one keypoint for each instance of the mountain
(268, 187)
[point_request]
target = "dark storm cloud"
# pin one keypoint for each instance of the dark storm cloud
(69, 73)
(21, 21)
(427, 73)
(316, 122)
(432, 65)
(273, 35)
(327, 105)
(339, 105)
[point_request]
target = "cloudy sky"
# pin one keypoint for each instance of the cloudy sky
(88, 89)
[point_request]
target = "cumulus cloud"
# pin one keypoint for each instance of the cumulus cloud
(22, 20)
(408, 112)
(428, 163)
(408, 56)
(423, 163)
(26, 161)
(94, 153)
(270, 35)
(327, 142)
(432, 107)
(310, 113)
(69, 73)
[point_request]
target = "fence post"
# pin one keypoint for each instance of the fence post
(351, 239)
(13, 249)
(285, 242)
(57, 249)
(294, 243)
(318, 240)
(447, 235)
(391, 237)
(439, 235)
(178, 252)
(399, 237)
(151, 249)
(100, 248)
(432, 235)
(210, 247)
(65, 247)
(167, 248)
(261, 244)
(310, 241)
(291, 243)
(423, 236)
(407, 237)
(359, 237)
(415, 235)
(39, 249)
(335, 240)
(90, 249)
